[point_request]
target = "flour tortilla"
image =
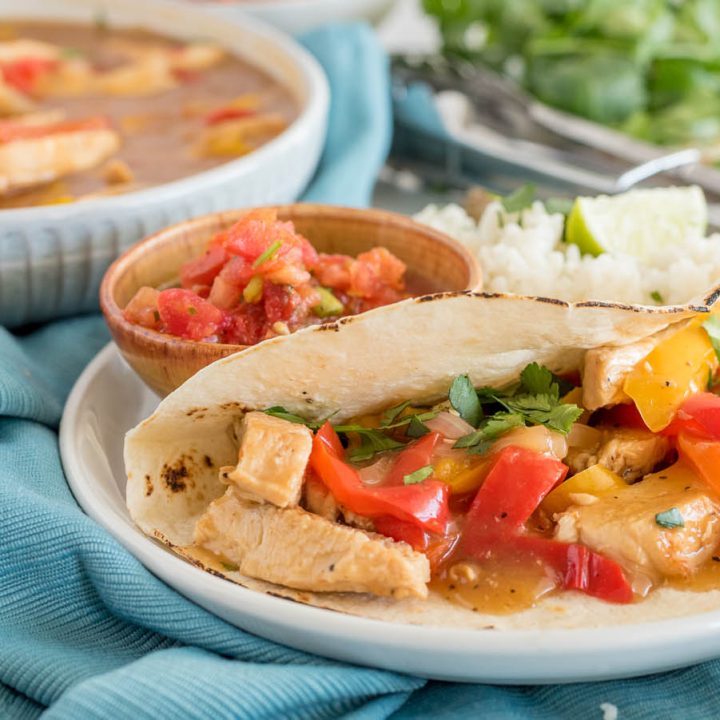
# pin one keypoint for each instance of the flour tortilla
(410, 350)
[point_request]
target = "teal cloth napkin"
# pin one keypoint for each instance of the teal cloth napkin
(86, 632)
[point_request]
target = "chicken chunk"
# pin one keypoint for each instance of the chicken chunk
(272, 459)
(319, 500)
(29, 162)
(606, 367)
(298, 549)
(631, 454)
(624, 527)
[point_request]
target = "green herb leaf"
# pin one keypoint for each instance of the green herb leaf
(520, 199)
(269, 254)
(372, 442)
(417, 428)
(230, 567)
(418, 476)
(712, 328)
(465, 401)
(280, 412)
(191, 310)
(391, 414)
(670, 519)
(536, 379)
(492, 428)
(656, 296)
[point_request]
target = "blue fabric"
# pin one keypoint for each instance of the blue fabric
(86, 632)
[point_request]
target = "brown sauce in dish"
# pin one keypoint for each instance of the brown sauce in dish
(159, 131)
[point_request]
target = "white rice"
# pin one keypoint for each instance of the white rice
(524, 253)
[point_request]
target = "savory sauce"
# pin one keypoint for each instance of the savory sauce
(161, 130)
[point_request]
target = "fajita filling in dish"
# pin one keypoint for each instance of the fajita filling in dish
(604, 482)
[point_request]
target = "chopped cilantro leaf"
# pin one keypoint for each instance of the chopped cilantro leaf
(712, 328)
(465, 401)
(371, 442)
(536, 379)
(269, 254)
(391, 414)
(417, 428)
(490, 429)
(670, 519)
(418, 476)
(656, 296)
(280, 412)
(230, 567)
(520, 199)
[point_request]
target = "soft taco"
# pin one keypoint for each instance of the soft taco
(459, 459)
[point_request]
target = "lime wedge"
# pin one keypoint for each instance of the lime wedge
(638, 222)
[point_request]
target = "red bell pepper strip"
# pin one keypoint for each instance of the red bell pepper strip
(424, 504)
(513, 490)
(415, 456)
(495, 523)
(625, 415)
(703, 455)
(699, 415)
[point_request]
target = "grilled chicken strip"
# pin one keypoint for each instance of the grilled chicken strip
(606, 367)
(624, 527)
(298, 549)
(631, 454)
(272, 459)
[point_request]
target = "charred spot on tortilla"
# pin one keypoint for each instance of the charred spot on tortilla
(195, 410)
(208, 461)
(148, 486)
(176, 477)
(231, 405)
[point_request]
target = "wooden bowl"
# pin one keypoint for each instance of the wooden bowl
(434, 262)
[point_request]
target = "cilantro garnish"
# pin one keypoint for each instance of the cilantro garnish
(670, 519)
(418, 476)
(392, 413)
(656, 296)
(280, 412)
(465, 401)
(269, 254)
(417, 428)
(712, 328)
(371, 442)
(535, 401)
(520, 199)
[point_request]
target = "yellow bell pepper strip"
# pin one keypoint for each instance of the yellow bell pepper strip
(677, 368)
(596, 480)
(462, 476)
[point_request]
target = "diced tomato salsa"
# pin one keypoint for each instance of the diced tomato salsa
(261, 278)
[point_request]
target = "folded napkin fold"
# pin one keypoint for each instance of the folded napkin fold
(87, 632)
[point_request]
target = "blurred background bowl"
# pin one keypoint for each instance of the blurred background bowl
(52, 258)
(296, 16)
(434, 262)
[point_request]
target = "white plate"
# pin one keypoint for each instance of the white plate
(296, 16)
(108, 399)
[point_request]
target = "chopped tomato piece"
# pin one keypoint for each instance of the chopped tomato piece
(246, 326)
(203, 270)
(143, 309)
(334, 271)
(189, 316)
(374, 271)
(280, 302)
(424, 504)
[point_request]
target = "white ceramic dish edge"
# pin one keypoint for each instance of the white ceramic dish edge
(52, 258)
(507, 657)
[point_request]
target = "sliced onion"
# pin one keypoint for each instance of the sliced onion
(537, 438)
(583, 436)
(374, 474)
(449, 425)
